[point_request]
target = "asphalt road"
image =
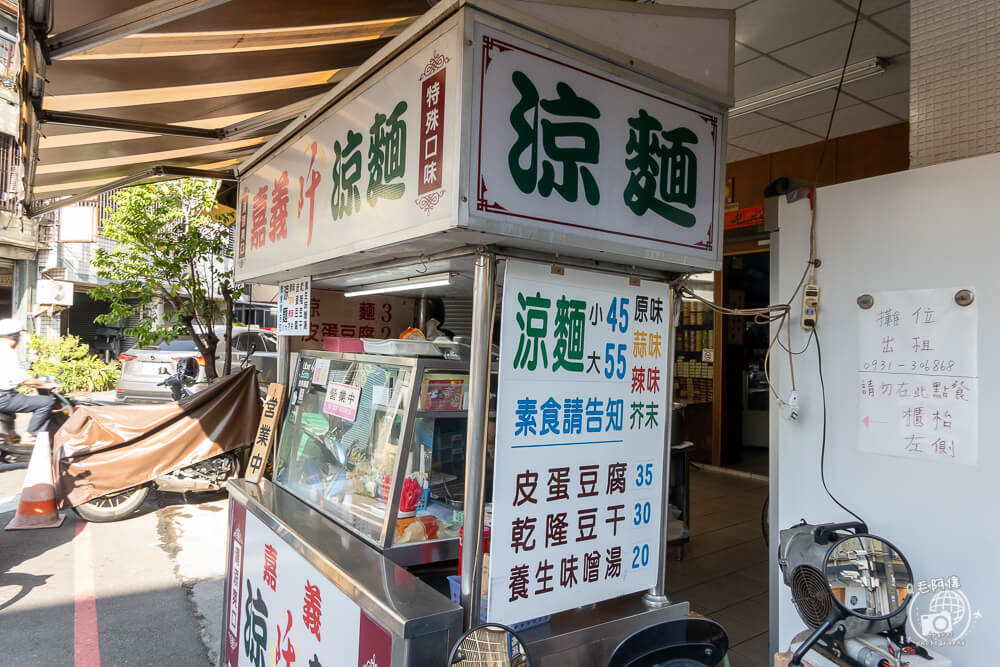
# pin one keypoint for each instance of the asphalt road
(143, 591)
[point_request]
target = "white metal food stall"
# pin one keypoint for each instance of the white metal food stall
(529, 155)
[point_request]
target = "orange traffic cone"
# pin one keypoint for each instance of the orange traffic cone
(37, 507)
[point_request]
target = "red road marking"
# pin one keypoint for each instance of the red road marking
(86, 642)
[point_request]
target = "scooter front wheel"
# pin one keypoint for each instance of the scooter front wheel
(114, 506)
(15, 453)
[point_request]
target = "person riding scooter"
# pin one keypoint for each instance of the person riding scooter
(12, 375)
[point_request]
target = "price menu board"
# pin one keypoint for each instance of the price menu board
(294, 307)
(581, 404)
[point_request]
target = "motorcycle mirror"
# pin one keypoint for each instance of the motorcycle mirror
(187, 368)
(489, 644)
(868, 577)
(248, 359)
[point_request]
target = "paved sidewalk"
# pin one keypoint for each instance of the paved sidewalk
(143, 614)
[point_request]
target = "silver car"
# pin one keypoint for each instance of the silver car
(144, 368)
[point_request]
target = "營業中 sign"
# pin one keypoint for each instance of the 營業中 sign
(581, 408)
(266, 430)
(342, 400)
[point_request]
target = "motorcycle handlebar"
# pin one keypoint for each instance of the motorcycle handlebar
(62, 400)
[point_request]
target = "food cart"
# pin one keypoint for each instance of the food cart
(515, 153)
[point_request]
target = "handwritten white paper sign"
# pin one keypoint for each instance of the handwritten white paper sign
(918, 377)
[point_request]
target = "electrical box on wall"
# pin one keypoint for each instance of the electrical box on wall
(810, 307)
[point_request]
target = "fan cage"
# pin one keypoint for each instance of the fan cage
(811, 595)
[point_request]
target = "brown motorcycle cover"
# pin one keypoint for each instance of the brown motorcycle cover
(109, 448)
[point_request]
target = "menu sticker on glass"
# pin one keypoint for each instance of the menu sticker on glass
(581, 409)
(320, 371)
(342, 401)
(382, 396)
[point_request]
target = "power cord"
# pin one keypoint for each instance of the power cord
(822, 454)
(797, 352)
(836, 100)
(781, 312)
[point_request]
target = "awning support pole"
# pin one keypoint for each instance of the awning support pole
(135, 20)
(657, 597)
(146, 175)
(483, 295)
(104, 122)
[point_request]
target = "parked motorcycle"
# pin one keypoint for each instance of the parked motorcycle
(210, 473)
(184, 375)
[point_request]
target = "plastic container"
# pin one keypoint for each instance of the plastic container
(455, 583)
(400, 348)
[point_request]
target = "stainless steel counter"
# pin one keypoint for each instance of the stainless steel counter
(423, 622)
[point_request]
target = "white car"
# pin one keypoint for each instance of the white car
(143, 368)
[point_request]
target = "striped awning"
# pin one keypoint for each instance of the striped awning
(124, 89)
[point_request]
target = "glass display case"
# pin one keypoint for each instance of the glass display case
(377, 443)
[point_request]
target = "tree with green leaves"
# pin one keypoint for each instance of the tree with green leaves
(170, 245)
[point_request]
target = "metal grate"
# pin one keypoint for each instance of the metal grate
(486, 647)
(811, 595)
(105, 207)
(9, 64)
(10, 160)
(458, 315)
(47, 233)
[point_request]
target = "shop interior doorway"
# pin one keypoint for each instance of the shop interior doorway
(745, 399)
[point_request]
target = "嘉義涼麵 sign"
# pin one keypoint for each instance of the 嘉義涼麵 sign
(378, 165)
(280, 608)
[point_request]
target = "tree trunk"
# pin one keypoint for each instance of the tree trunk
(227, 365)
(206, 344)
(210, 353)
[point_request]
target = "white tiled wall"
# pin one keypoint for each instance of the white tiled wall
(954, 79)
